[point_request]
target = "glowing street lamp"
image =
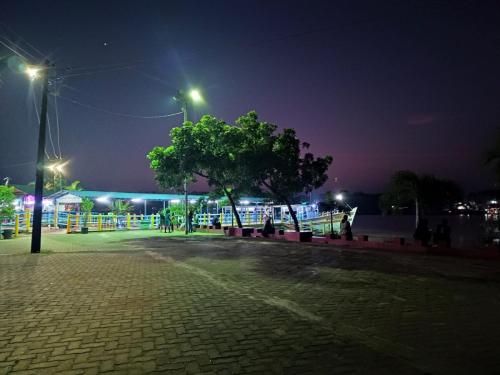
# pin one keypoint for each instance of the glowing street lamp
(58, 171)
(33, 72)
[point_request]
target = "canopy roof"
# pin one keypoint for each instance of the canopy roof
(92, 194)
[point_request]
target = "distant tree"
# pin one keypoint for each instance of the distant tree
(74, 185)
(492, 155)
(119, 207)
(277, 162)
(7, 198)
(86, 207)
(423, 192)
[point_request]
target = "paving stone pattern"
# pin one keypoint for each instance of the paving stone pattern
(238, 306)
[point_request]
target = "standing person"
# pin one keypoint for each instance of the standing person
(345, 228)
(190, 222)
(443, 234)
(162, 220)
(168, 221)
(422, 233)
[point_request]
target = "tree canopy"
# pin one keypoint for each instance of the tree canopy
(424, 192)
(248, 157)
(7, 197)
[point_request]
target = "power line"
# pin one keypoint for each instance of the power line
(48, 127)
(97, 71)
(18, 47)
(8, 28)
(58, 127)
(13, 50)
(88, 106)
(17, 165)
(38, 118)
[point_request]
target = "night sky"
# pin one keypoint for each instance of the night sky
(380, 86)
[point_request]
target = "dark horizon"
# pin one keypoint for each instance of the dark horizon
(380, 87)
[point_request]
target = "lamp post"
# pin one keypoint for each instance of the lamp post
(181, 97)
(33, 73)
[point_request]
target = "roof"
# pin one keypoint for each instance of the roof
(93, 194)
(30, 190)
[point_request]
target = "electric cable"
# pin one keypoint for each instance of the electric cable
(88, 106)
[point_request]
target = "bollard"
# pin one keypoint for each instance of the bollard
(99, 222)
(27, 221)
(77, 222)
(16, 228)
(152, 221)
(128, 220)
(68, 224)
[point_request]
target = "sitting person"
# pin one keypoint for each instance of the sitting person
(345, 228)
(268, 228)
(422, 233)
(216, 222)
(442, 237)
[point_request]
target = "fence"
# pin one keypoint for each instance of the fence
(73, 222)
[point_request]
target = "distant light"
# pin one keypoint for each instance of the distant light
(211, 202)
(32, 72)
(493, 202)
(195, 96)
(192, 201)
(461, 207)
(136, 200)
(103, 199)
(245, 202)
(339, 197)
(175, 201)
(47, 202)
(314, 205)
(29, 200)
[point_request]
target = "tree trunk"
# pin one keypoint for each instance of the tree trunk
(417, 212)
(285, 199)
(233, 207)
(294, 217)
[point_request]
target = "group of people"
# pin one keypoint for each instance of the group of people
(166, 222)
(440, 237)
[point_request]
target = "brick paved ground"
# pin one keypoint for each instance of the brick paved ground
(231, 306)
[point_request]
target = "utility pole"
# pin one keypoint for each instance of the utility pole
(40, 166)
(186, 214)
(182, 98)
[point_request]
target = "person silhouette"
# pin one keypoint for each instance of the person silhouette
(422, 233)
(345, 228)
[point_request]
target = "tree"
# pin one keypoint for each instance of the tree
(209, 149)
(7, 198)
(75, 185)
(424, 192)
(119, 207)
(277, 162)
(492, 155)
(86, 207)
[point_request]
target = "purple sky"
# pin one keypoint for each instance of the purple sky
(380, 86)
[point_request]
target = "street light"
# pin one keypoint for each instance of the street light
(57, 170)
(36, 236)
(339, 197)
(193, 96)
(33, 72)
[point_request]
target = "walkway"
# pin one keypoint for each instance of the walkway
(214, 305)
